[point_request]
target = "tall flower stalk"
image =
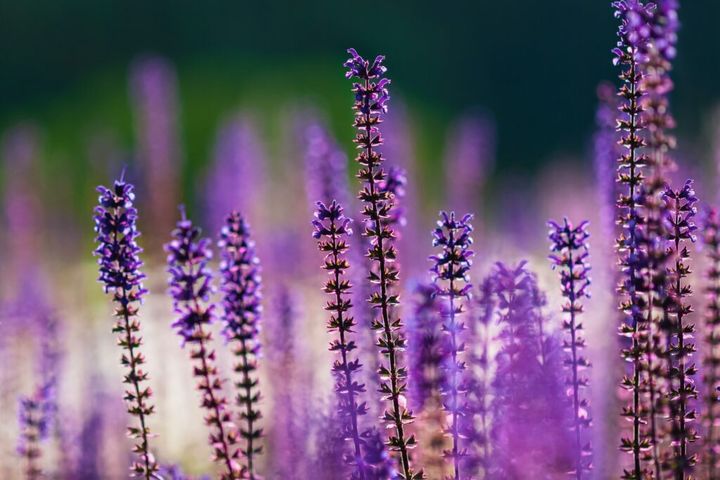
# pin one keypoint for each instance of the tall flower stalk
(632, 35)
(331, 228)
(711, 349)
(119, 263)
(241, 289)
(190, 287)
(371, 98)
(680, 347)
(570, 254)
(450, 271)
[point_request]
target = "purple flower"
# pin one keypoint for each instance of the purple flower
(32, 425)
(241, 283)
(379, 463)
(633, 34)
(237, 178)
(529, 434)
(570, 254)
(153, 87)
(119, 263)
(679, 330)
(450, 275)
(710, 453)
(605, 154)
(190, 288)
(470, 156)
(371, 103)
(425, 346)
(475, 425)
(325, 166)
(331, 229)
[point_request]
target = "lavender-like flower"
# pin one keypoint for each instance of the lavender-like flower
(190, 287)
(325, 166)
(119, 262)
(476, 424)
(32, 427)
(153, 89)
(680, 331)
(711, 350)
(605, 154)
(450, 272)
(237, 177)
(570, 254)
(527, 403)
(331, 228)
(633, 33)
(471, 150)
(241, 282)
(425, 346)
(371, 98)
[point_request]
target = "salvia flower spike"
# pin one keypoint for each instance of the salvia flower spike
(371, 103)
(31, 423)
(711, 349)
(680, 347)
(119, 263)
(450, 275)
(633, 33)
(331, 228)
(241, 305)
(190, 287)
(569, 246)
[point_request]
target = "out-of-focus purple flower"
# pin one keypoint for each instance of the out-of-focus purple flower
(241, 283)
(153, 89)
(570, 254)
(379, 464)
(174, 472)
(605, 154)
(710, 449)
(326, 166)
(32, 426)
(371, 103)
(450, 271)
(119, 264)
(475, 425)
(190, 287)
(237, 178)
(425, 346)
(286, 435)
(469, 158)
(331, 228)
(679, 331)
(394, 184)
(399, 146)
(529, 434)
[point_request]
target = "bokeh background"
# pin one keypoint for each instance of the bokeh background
(75, 110)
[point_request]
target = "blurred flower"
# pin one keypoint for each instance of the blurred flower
(237, 177)
(153, 89)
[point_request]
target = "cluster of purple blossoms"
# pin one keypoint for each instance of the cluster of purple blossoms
(331, 229)
(451, 276)
(241, 283)
(570, 254)
(371, 99)
(119, 262)
(190, 287)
